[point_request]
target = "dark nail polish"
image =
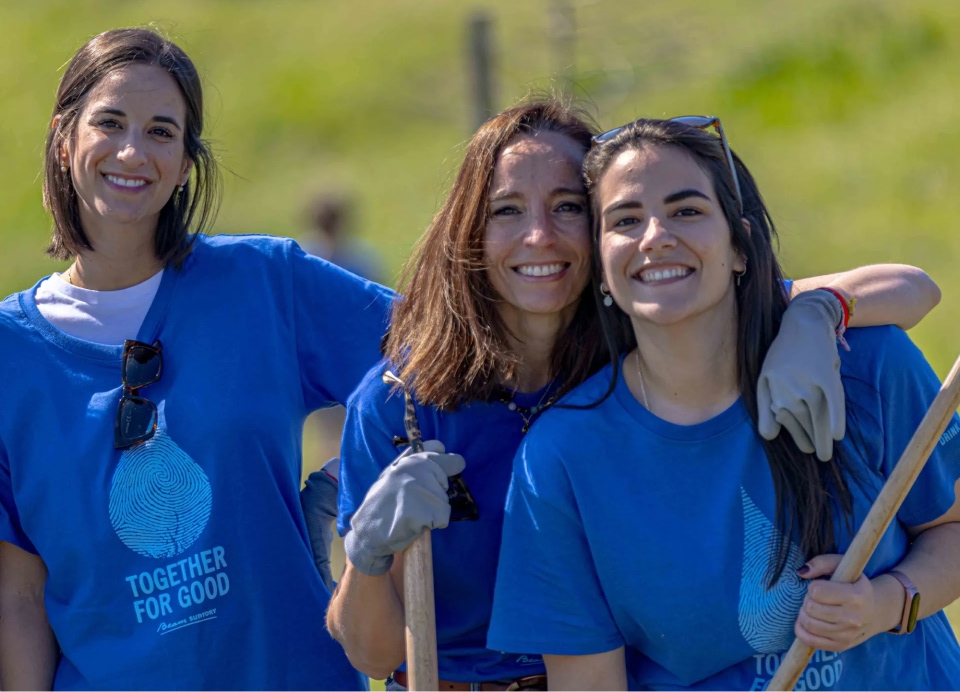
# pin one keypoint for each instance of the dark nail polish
(804, 571)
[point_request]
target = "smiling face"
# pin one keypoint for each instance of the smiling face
(665, 244)
(126, 155)
(537, 239)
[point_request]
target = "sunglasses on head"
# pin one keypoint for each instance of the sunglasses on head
(140, 366)
(701, 122)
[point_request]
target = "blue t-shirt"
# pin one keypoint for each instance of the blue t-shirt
(183, 562)
(625, 530)
(487, 435)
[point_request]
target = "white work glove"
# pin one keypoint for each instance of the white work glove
(799, 386)
(408, 498)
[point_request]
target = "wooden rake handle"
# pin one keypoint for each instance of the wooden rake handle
(882, 512)
(419, 609)
(420, 615)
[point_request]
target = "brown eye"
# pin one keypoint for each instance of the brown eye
(626, 221)
(570, 208)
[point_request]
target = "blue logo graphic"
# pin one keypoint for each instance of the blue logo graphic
(767, 616)
(160, 499)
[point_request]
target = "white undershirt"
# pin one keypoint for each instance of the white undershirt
(103, 317)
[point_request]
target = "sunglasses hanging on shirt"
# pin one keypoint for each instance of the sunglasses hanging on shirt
(140, 366)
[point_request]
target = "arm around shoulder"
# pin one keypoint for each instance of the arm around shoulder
(28, 648)
(896, 294)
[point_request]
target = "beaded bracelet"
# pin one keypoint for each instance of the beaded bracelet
(847, 306)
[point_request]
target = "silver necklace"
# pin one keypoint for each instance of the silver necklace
(643, 390)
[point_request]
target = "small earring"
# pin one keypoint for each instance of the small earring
(63, 169)
(742, 272)
(607, 298)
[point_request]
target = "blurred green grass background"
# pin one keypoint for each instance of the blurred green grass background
(845, 111)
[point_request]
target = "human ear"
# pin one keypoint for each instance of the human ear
(746, 224)
(185, 173)
(63, 151)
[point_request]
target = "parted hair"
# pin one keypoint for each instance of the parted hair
(810, 494)
(192, 209)
(446, 337)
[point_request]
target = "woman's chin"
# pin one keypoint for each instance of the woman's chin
(541, 308)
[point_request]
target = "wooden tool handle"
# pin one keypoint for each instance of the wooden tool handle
(418, 605)
(421, 621)
(882, 512)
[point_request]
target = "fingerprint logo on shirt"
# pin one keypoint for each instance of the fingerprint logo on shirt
(160, 499)
(766, 615)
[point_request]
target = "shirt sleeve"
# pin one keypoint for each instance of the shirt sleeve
(340, 322)
(906, 386)
(367, 446)
(548, 598)
(11, 531)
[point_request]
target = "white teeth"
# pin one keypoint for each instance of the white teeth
(540, 269)
(126, 182)
(664, 273)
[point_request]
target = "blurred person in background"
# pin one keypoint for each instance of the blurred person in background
(497, 324)
(154, 396)
(332, 236)
(654, 537)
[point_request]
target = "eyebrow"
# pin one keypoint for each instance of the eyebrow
(158, 118)
(496, 197)
(617, 206)
(683, 194)
(669, 199)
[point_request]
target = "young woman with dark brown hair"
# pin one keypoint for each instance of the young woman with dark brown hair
(495, 326)
(656, 540)
(154, 394)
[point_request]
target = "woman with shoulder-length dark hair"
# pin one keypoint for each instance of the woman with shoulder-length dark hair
(656, 540)
(495, 325)
(153, 404)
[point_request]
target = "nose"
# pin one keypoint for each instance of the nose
(132, 153)
(656, 235)
(540, 231)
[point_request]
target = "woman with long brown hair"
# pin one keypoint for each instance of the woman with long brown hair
(495, 326)
(656, 540)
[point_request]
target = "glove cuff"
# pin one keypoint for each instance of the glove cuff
(826, 303)
(846, 306)
(362, 558)
(833, 305)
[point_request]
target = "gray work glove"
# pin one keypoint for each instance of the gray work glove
(799, 386)
(408, 498)
(318, 499)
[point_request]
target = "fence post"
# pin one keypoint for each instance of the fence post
(480, 39)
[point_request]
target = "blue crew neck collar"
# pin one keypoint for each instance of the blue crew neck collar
(732, 416)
